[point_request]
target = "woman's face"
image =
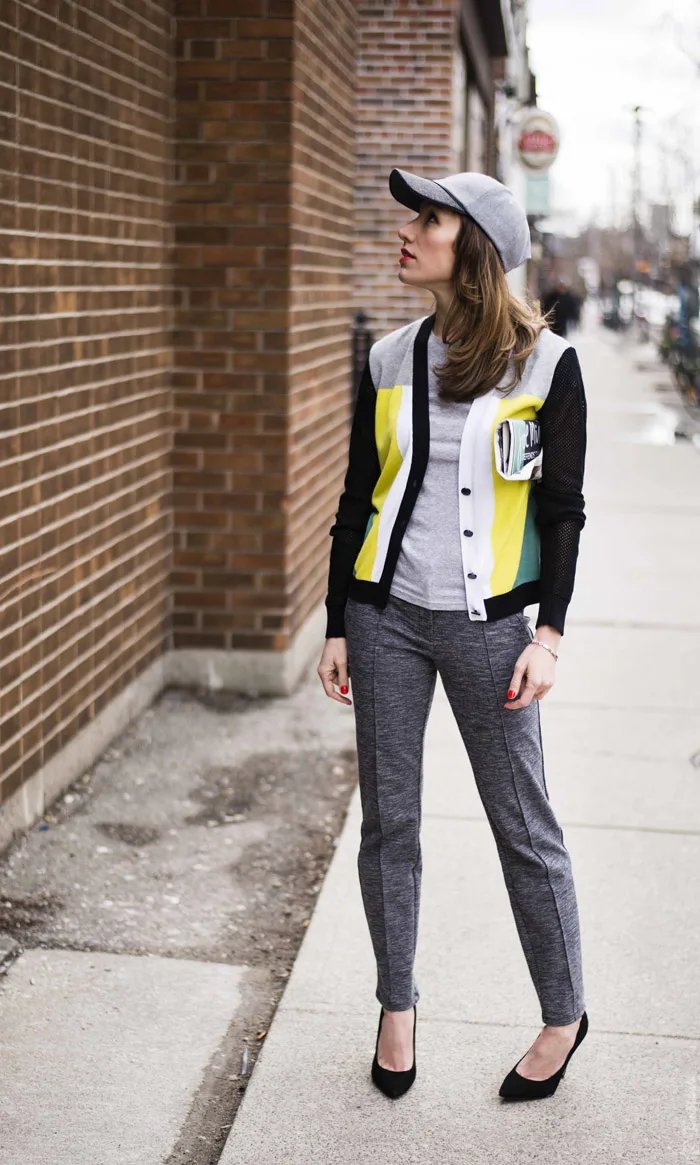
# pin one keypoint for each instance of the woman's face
(427, 255)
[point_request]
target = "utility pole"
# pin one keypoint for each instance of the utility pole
(636, 201)
(637, 186)
(612, 187)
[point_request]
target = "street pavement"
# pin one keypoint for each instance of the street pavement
(621, 735)
(105, 1056)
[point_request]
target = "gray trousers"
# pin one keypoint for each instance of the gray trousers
(394, 655)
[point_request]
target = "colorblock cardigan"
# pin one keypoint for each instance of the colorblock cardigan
(519, 539)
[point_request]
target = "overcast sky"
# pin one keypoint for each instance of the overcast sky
(593, 60)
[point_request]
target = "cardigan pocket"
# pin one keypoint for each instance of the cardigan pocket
(518, 449)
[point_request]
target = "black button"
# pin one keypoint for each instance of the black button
(468, 533)
(466, 490)
(471, 576)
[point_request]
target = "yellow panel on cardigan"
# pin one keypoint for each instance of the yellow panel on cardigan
(390, 462)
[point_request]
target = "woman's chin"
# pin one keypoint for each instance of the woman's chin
(405, 277)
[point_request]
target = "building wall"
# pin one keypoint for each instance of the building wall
(404, 119)
(232, 214)
(265, 153)
(85, 305)
(193, 206)
(321, 295)
(425, 104)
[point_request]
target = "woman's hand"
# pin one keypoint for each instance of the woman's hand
(333, 669)
(536, 667)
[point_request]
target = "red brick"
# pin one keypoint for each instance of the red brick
(184, 446)
(91, 438)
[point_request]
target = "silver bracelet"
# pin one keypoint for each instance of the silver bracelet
(550, 649)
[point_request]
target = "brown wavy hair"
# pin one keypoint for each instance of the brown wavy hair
(486, 326)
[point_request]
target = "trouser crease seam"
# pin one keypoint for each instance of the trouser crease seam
(527, 827)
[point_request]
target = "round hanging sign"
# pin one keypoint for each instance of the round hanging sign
(537, 139)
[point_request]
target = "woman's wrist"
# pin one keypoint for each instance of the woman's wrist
(548, 635)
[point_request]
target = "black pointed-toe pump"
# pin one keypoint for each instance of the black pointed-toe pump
(517, 1087)
(394, 1084)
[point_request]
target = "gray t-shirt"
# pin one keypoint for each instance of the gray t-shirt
(429, 569)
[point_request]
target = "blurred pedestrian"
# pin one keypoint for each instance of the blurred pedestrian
(688, 303)
(431, 565)
(578, 299)
(563, 305)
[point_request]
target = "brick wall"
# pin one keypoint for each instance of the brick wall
(265, 169)
(321, 308)
(404, 119)
(85, 375)
(193, 203)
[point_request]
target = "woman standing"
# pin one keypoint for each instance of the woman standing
(462, 504)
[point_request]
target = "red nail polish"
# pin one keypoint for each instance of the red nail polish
(510, 694)
(344, 689)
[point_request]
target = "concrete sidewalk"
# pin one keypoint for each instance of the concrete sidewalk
(622, 751)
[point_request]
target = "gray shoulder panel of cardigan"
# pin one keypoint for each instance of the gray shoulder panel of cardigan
(391, 356)
(541, 363)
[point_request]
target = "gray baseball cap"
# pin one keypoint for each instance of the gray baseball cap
(491, 204)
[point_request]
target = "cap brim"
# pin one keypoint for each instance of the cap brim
(411, 190)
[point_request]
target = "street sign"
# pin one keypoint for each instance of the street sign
(537, 139)
(537, 195)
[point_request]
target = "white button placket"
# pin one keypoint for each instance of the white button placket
(465, 486)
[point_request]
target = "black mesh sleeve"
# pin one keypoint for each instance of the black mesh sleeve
(355, 505)
(558, 493)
